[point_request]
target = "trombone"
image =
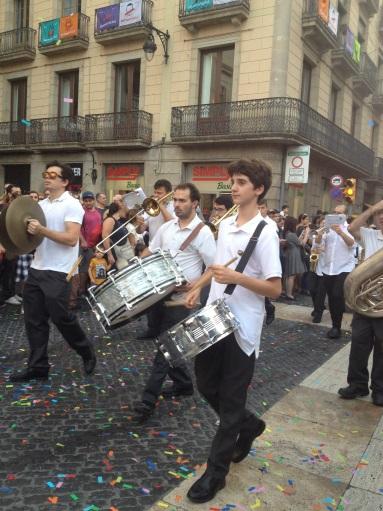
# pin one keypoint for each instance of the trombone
(149, 205)
(214, 224)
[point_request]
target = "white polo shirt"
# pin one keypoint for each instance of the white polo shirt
(155, 222)
(51, 255)
(201, 250)
(337, 257)
(264, 263)
(371, 240)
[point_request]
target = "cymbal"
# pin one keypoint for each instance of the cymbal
(5, 240)
(19, 212)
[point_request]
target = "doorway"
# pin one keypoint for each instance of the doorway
(19, 175)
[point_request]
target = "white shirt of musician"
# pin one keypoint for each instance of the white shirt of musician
(200, 251)
(51, 255)
(264, 263)
(371, 240)
(155, 222)
(337, 257)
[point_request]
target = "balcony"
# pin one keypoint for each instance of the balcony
(364, 83)
(69, 33)
(108, 29)
(193, 15)
(282, 120)
(123, 130)
(377, 98)
(370, 7)
(13, 137)
(57, 133)
(18, 45)
(341, 57)
(315, 30)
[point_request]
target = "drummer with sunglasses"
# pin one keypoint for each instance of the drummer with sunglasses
(224, 371)
(192, 244)
(47, 288)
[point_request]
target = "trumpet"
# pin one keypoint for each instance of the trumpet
(149, 205)
(214, 224)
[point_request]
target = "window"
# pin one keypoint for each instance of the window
(216, 75)
(21, 13)
(18, 99)
(127, 87)
(355, 114)
(306, 82)
(68, 94)
(70, 6)
(333, 102)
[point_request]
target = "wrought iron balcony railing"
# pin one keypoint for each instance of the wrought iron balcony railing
(368, 71)
(61, 31)
(271, 118)
(56, 130)
(18, 40)
(315, 29)
(134, 126)
(186, 7)
(107, 19)
(12, 134)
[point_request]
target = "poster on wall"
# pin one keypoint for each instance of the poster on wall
(333, 17)
(130, 12)
(107, 18)
(69, 26)
(49, 31)
(297, 164)
(197, 5)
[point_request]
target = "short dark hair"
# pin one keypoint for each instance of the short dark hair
(66, 170)
(262, 202)
(258, 172)
(113, 208)
(163, 183)
(99, 193)
(224, 200)
(193, 190)
(290, 225)
(33, 191)
(285, 206)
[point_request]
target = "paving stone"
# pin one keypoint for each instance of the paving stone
(356, 499)
(369, 475)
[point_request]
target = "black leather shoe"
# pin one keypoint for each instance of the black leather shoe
(352, 392)
(205, 488)
(90, 362)
(143, 411)
(245, 442)
(170, 392)
(270, 315)
(28, 374)
(317, 317)
(334, 333)
(148, 334)
(377, 399)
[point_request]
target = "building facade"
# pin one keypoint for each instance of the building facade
(235, 78)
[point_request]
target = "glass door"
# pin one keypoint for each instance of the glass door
(18, 110)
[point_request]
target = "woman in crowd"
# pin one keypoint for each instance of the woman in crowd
(124, 238)
(294, 264)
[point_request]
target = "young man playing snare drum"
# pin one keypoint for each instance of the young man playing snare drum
(224, 371)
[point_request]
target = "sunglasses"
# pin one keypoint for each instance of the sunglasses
(51, 174)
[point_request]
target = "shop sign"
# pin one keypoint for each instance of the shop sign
(211, 178)
(297, 164)
(76, 184)
(124, 172)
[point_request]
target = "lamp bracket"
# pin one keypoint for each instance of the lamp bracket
(164, 38)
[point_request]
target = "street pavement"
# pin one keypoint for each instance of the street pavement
(71, 443)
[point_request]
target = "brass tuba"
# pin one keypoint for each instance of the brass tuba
(363, 287)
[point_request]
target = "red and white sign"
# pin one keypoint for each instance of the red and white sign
(336, 180)
(122, 172)
(211, 178)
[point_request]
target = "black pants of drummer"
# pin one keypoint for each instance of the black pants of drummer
(167, 317)
(334, 289)
(317, 290)
(46, 297)
(223, 374)
(367, 335)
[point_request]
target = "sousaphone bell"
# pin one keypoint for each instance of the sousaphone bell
(13, 226)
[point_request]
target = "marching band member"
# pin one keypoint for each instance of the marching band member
(224, 371)
(367, 332)
(192, 243)
(46, 289)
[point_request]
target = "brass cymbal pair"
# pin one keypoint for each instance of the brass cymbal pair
(13, 226)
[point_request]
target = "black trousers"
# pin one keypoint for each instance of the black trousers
(367, 335)
(46, 296)
(317, 290)
(223, 374)
(166, 318)
(269, 307)
(8, 278)
(334, 289)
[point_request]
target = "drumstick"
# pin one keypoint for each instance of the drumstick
(74, 268)
(203, 281)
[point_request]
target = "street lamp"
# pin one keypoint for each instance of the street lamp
(150, 46)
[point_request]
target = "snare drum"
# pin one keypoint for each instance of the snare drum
(129, 292)
(198, 332)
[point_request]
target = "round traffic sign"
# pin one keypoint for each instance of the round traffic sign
(336, 180)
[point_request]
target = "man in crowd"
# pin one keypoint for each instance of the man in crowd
(221, 206)
(367, 332)
(101, 205)
(46, 289)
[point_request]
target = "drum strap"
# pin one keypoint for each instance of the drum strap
(246, 255)
(191, 236)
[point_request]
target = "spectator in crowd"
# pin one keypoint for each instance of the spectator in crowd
(114, 232)
(98, 267)
(294, 264)
(101, 205)
(285, 210)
